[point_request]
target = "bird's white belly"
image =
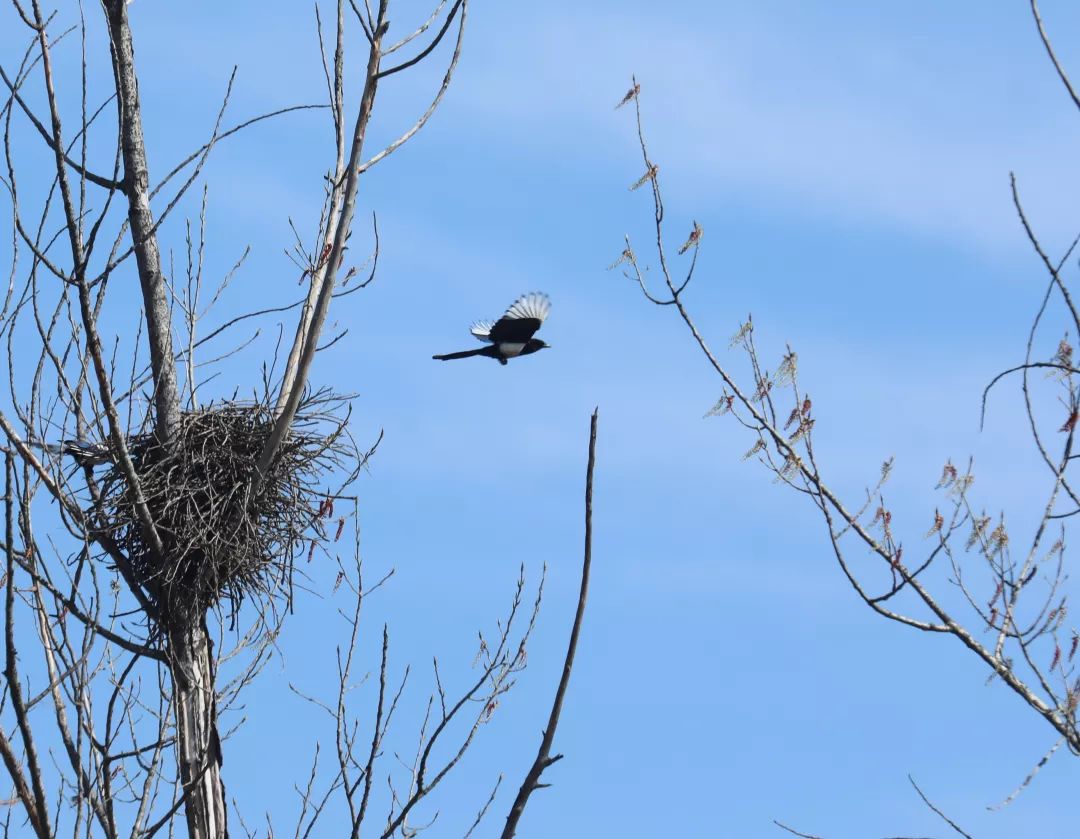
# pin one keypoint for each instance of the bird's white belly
(511, 350)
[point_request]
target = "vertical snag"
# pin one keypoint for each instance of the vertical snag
(543, 756)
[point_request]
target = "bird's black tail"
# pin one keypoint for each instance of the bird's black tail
(462, 354)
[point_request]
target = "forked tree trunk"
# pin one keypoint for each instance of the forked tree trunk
(198, 747)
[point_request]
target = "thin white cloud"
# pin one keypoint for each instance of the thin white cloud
(851, 129)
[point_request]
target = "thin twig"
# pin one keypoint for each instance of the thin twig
(928, 803)
(1053, 58)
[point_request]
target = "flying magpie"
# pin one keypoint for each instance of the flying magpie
(83, 452)
(512, 334)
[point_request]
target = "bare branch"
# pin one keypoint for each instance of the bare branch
(544, 759)
(1053, 58)
(427, 50)
(422, 121)
(794, 832)
(945, 818)
(307, 339)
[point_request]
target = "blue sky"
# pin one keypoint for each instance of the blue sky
(849, 164)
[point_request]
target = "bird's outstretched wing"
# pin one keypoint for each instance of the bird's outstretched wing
(481, 330)
(521, 320)
(83, 451)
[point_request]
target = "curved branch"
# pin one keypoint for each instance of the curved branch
(829, 503)
(1050, 52)
(1054, 270)
(75, 611)
(97, 180)
(948, 821)
(219, 137)
(408, 135)
(1026, 366)
(427, 50)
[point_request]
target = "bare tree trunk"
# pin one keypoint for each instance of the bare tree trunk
(310, 327)
(111, 765)
(141, 219)
(198, 749)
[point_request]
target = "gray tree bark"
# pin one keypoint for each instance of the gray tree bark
(141, 220)
(198, 748)
(310, 328)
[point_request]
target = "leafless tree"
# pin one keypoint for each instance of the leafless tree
(963, 574)
(151, 536)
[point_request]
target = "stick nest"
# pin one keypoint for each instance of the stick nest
(222, 541)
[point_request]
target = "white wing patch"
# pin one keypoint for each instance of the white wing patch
(481, 330)
(532, 305)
